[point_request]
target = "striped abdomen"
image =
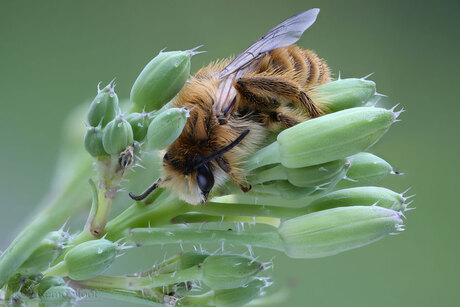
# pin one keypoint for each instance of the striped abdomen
(300, 65)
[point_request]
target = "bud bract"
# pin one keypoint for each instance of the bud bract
(284, 189)
(161, 79)
(166, 127)
(190, 259)
(239, 296)
(59, 296)
(48, 282)
(333, 231)
(50, 248)
(93, 141)
(117, 135)
(139, 123)
(90, 258)
(345, 93)
(104, 107)
(229, 271)
(333, 136)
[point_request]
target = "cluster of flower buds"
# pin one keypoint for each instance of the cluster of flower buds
(109, 132)
(321, 166)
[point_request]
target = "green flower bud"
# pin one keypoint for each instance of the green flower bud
(88, 259)
(359, 196)
(239, 296)
(104, 107)
(93, 141)
(345, 93)
(333, 231)
(50, 248)
(117, 135)
(161, 79)
(365, 169)
(139, 123)
(59, 296)
(166, 127)
(229, 271)
(333, 136)
(48, 282)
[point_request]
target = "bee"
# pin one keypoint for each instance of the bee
(235, 104)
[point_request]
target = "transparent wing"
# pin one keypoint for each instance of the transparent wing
(285, 34)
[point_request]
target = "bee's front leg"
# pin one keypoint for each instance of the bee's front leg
(225, 166)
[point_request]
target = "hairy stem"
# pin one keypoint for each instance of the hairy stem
(152, 236)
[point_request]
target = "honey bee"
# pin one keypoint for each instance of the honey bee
(235, 104)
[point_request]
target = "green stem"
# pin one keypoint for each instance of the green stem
(128, 297)
(59, 269)
(94, 204)
(268, 155)
(67, 202)
(203, 300)
(219, 209)
(160, 213)
(203, 218)
(152, 236)
(194, 273)
(102, 214)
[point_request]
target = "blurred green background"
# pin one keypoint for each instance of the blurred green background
(53, 54)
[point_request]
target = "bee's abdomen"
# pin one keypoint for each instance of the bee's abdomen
(306, 67)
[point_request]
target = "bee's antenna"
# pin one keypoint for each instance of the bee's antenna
(223, 150)
(146, 192)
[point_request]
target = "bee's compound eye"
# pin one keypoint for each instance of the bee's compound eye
(205, 179)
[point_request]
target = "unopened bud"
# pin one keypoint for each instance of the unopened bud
(365, 169)
(104, 107)
(359, 196)
(117, 135)
(93, 141)
(161, 79)
(48, 282)
(229, 271)
(87, 260)
(336, 230)
(59, 296)
(333, 136)
(166, 127)
(139, 123)
(239, 296)
(345, 93)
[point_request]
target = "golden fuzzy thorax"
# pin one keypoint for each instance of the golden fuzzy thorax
(272, 95)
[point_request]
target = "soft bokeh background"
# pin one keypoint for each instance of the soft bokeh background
(53, 53)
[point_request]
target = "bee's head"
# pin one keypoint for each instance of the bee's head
(191, 177)
(190, 174)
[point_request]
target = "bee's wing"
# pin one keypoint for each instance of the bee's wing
(286, 33)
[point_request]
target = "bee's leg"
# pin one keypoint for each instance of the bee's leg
(269, 93)
(287, 120)
(225, 166)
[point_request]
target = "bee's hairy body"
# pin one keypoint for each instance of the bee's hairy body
(274, 93)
